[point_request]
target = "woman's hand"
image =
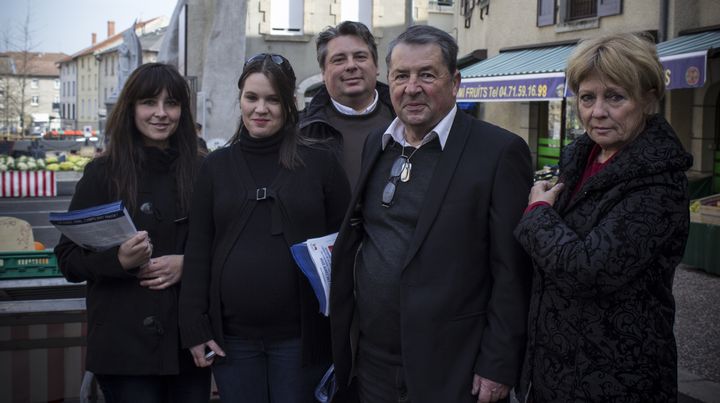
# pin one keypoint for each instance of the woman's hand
(543, 191)
(161, 272)
(198, 352)
(136, 251)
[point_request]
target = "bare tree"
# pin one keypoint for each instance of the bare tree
(20, 57)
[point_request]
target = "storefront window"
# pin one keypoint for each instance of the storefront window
(573, 125)
(551, 141)
(548, 151)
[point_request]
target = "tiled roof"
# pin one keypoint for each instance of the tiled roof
(39, 64)
(6, 65)
(106, 43)
(150, 41)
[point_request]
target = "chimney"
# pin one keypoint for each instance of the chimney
(94, 38)
(111, 28)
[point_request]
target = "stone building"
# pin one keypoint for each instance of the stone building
(29, 92)
(89, 76)
(210, 40)
(521, 84)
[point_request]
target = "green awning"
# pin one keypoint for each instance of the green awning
(681, 45)
(521, 62)
(523, 75)
(539, 74)
(685, 58)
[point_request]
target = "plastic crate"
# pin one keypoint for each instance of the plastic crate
(710, 209)
(28, 264)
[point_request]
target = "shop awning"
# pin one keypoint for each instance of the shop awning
(539, 74)
(685, 58)
(523, 75)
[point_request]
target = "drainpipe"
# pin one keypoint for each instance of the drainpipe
(408, 13)
(662, 30)
(662, 37)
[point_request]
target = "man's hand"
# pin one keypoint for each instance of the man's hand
(161, 272)
(487, 390)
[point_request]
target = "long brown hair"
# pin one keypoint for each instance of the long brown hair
(279, 72)
(125, 153)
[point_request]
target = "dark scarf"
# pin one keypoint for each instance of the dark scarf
(264, 145)
(158, 160)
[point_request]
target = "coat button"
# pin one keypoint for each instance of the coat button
(149, 321)
(152, 323)
(146, 208)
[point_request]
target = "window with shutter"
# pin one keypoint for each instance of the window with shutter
(287, 17)
(545, 13)
(579, 9)
(609, 7)
(357, 10)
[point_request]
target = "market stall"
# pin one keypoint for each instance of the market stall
(703, 245)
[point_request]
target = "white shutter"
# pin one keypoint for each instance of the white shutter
(287, 17)
(357, 10)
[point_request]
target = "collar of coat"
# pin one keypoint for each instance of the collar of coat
(657, 149)
(315, 111)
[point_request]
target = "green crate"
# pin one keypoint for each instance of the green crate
(28, 264)
(544, 141)
(549, 152)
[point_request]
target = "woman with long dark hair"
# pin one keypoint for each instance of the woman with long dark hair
(133, 345)
(245, 299)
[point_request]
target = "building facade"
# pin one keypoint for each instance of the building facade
(29, 92)
(90, 76)
(210, 40)
(108, 63)
(68, 94)
(542, 34)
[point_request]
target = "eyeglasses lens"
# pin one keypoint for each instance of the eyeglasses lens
(397, 166)
(277, 59)
(395, 172)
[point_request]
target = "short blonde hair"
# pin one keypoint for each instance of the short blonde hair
(628, 60)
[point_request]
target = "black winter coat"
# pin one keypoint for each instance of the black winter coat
(314, 124)
(601, 317)
(132, 330)
(346, 144)
(310, 201)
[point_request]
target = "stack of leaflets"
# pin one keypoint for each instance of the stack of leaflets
(313, 257)
(326, 389)
(96, 228)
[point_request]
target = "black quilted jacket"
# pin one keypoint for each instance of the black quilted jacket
(600, 327)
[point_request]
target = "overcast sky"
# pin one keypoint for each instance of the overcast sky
(67, 25)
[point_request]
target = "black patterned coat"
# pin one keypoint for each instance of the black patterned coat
(600, 326)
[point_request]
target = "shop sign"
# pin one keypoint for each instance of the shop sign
(527, 87)
(685, 70)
